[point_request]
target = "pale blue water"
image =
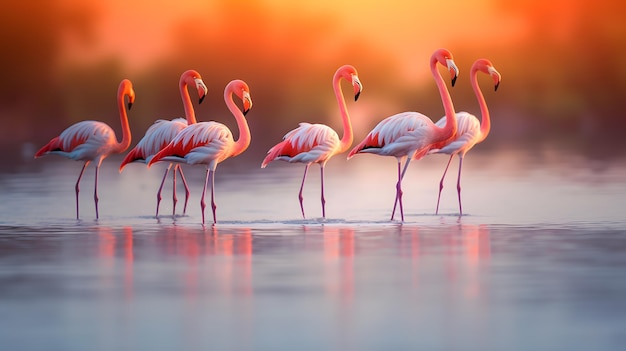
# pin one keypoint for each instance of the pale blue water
(537, 263)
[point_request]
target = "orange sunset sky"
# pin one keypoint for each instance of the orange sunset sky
(139, 31)
(560, 60)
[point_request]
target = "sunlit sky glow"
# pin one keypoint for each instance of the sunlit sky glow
(140, 31)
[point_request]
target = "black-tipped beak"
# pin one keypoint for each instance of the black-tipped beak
(497, 85)
(454, 80)
(130, 105)
(245, 112)
(201, 99)
(356, 97)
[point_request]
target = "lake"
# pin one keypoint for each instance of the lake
(537, 261)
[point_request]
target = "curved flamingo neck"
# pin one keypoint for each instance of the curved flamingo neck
(244, 131)
(348, 136)
(485, 122)
(450, 128)
(190, 114)
(126, 137)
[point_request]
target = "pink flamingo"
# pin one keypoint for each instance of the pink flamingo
(409, 135)
(162, 132)
(93, 141)
(470, 131)
(210, 143)
(317, 143)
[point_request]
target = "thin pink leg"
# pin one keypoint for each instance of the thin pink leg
(393, 212)
(323, 199)
(399, 191)
(213, 205)
(160, 189)
(77, 188)
(174, 197)
(182, 177)
(202, 203)
(441, 183)
(458, 184)
(95, 189)
(306, 169)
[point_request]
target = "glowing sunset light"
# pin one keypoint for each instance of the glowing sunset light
(139, 32)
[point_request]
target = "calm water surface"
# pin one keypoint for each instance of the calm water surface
(538, 262)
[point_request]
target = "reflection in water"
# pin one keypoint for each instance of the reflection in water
(107, 252)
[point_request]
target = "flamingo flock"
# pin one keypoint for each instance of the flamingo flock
(405, 136)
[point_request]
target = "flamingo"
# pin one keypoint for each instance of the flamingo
(162, 132)
(93, 141)
(317, 143)
(210, 143)
(409, 135)
(470, 131)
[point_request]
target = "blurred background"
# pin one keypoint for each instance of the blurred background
(563, 78)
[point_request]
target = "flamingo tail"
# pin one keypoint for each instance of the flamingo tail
(276, 151)
(54, 144)
(370, 141)
(134, 155)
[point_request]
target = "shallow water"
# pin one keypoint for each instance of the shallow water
(537, 262)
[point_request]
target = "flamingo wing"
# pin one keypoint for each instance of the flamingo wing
(307, 144)
(82, 141)
(468, 134)
(200, 143)
(158, 136)
(395, 135)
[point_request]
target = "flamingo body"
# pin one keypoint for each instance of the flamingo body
(468, 134)
(309, 143)
(158, 136)
(210, 143)
(317, 143)
(398, 135)
(202, 143)
(89, 141)
(83, 141)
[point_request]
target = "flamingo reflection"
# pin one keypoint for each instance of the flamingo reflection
(108, 254)
(339, 250)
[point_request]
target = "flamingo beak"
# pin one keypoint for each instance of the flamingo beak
(454, 70)
(202, 89)
(130, 105)
(495, 75)
(358, 87)
(247, 103)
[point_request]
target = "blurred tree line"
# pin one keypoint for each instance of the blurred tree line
(563, 79)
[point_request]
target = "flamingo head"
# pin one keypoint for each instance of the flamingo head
(444, 57)
(486, 67)
(241, 89)
(193, 79)
(349, 73)
(126, 88)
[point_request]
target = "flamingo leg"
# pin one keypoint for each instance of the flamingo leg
(77, 188)
(393, 212)
(306, 169)
(458, 184)
(95, 188)
(399, 191)
(213, 205)
(323, 199)
(441, 183)
(187, 192)
(202, 203)
(174, 197)
(160, 189)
